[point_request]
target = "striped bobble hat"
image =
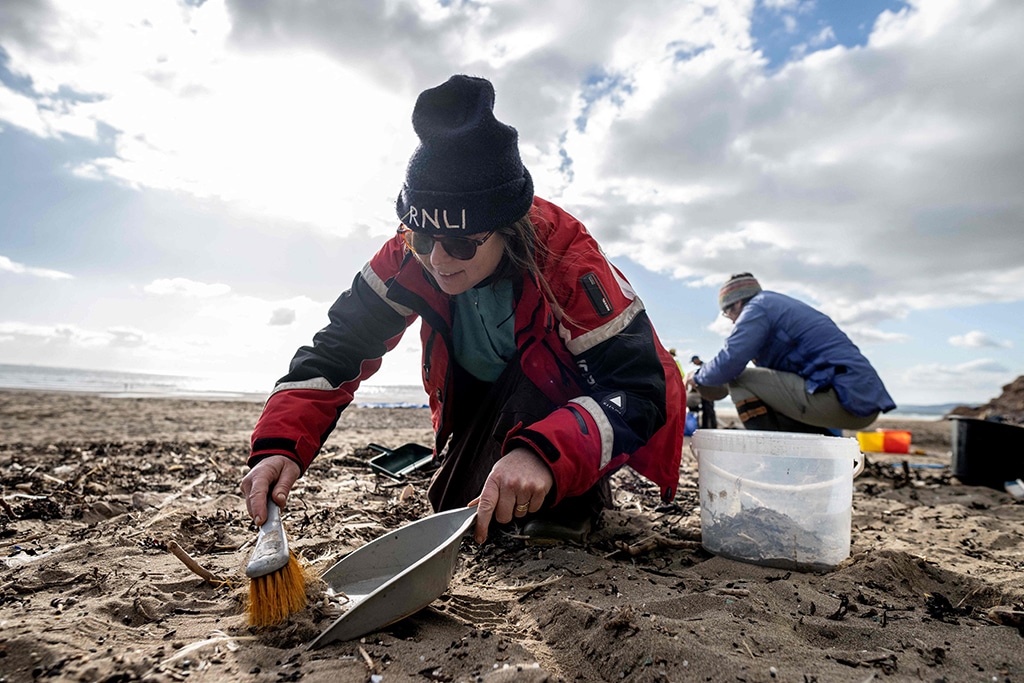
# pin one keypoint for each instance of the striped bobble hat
(739, 287)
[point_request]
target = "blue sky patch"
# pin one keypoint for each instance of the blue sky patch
(684, 51)
(789, 30)
(598, 85)
(20, 84)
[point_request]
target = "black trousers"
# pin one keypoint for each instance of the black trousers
(484, 413)
(708, 419)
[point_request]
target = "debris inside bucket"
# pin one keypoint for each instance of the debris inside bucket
(767, 537)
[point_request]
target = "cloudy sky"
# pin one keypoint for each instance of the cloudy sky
(186, 186)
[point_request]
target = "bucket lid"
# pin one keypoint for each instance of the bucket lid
(787, 444)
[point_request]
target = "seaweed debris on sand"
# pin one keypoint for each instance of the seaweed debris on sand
(94, 490)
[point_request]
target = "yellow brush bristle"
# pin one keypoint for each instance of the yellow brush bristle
(278, 594)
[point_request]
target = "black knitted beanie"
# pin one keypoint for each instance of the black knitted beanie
(465, 176)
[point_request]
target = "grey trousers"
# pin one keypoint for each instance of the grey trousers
(786, 393)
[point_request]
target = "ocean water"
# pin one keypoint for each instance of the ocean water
(141, 385)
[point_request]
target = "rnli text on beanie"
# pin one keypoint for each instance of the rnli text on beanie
(742, 286)
(466, 175)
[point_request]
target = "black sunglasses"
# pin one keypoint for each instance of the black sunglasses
(461, 248)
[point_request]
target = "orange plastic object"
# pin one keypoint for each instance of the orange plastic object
(884, 441)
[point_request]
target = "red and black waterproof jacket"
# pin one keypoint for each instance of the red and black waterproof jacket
(593, 352)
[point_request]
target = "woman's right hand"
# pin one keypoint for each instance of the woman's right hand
(518, 484)
(277, 471)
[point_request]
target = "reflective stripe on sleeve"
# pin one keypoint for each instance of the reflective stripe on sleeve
(318, 383)
(589, 340)
(381, 289)
(604, 427)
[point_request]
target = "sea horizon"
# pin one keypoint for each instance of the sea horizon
(121, 384)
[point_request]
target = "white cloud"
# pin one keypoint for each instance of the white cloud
(965, 379)
(10, 266)
(873, 182)
(72, 336)
(54, 335)
(180, 286)
(869, 335)
(21, 111)
(781, 4)
(976, 339)
(282, 316)
(721, 326)
(972, 383)
(128, 337)
(870, 182)
(196, 115)
(220, 334)
(823, 37)
(893, 151)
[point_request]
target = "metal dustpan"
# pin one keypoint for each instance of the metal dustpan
(396, 575)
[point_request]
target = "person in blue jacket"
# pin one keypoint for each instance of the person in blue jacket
(807, 375)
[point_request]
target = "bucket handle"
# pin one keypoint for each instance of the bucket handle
(858, 465)
(792, 488)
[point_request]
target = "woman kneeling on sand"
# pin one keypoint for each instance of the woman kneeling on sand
(543, 371)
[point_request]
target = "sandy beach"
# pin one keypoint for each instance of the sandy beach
(95, 489)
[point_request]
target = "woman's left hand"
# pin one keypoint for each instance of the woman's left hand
(517, 484)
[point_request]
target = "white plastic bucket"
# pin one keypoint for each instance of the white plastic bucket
(776, 498)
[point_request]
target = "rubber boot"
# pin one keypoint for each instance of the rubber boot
(571, 520)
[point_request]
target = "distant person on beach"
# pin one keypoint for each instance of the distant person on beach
(708, 419)
(809, 376)
(543, 371)
(693, 401)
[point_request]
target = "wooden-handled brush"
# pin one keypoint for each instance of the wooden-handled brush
(277, 585)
